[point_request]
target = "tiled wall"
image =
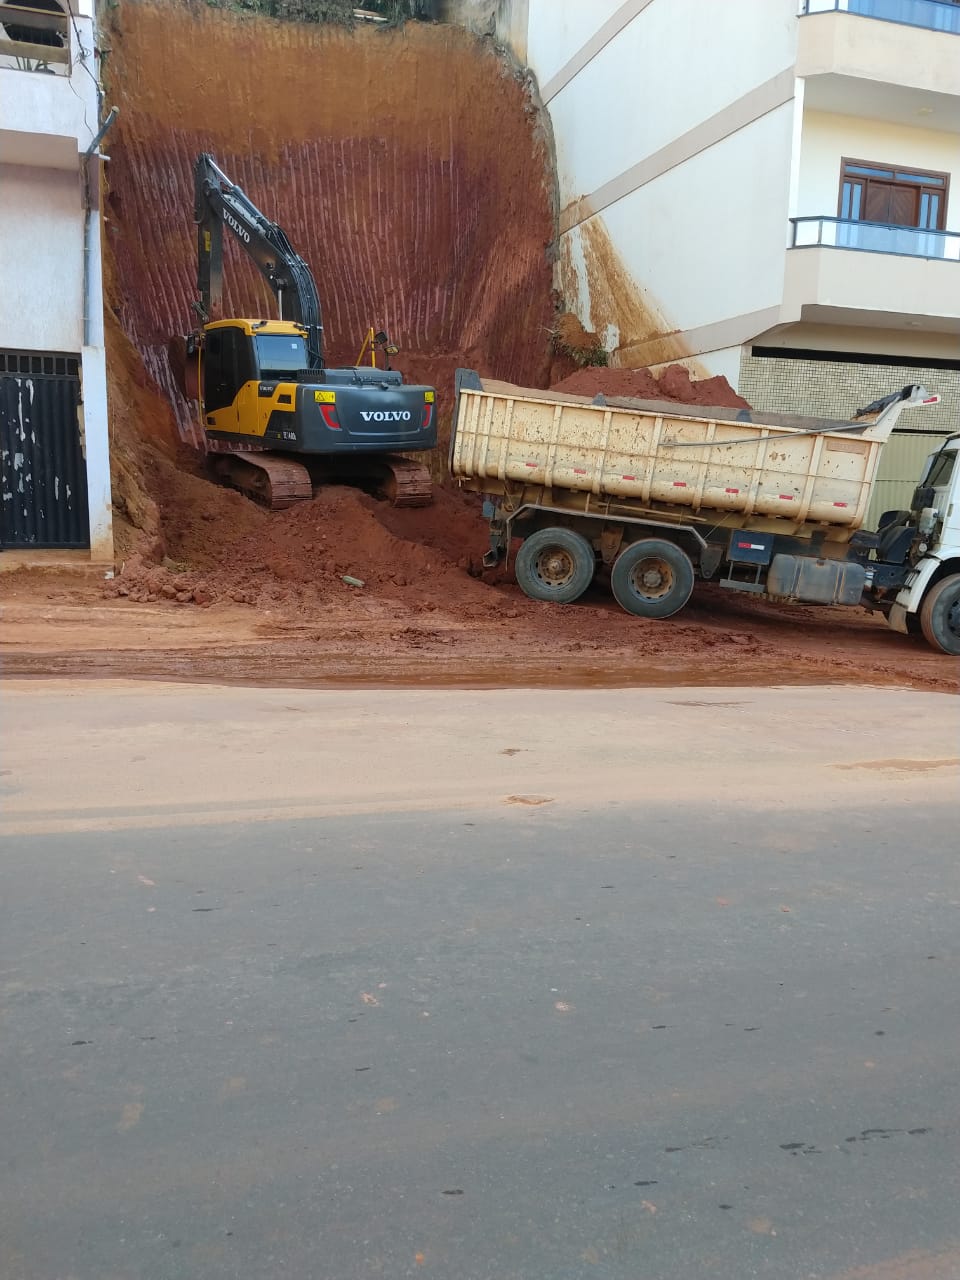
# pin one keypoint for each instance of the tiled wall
(831, 390)
(827, 389)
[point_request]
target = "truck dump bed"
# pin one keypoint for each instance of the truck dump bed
(718, 464)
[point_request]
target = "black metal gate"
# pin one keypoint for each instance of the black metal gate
(43, 474)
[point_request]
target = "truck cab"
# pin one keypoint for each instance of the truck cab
(931, 595)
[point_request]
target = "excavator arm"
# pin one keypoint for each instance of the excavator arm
(218, 203)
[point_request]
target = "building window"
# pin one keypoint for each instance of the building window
(897, 197)
(48, 34)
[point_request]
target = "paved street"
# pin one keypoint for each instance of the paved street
(646, 984)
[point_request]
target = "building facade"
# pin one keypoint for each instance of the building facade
(764, 189)
(54, 440)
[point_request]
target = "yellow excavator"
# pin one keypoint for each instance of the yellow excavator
(276, 419)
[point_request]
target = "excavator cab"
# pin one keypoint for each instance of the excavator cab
(235, 353)
(228, 362)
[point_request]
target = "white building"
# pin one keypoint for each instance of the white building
(54, 460)
(765, 189)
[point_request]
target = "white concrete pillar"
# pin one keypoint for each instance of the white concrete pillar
(96, 435)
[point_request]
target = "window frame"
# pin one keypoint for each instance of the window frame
(943, 191)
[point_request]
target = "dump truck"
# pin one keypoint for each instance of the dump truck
(663, 495)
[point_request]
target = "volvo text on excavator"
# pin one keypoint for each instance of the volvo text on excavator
(276, 419)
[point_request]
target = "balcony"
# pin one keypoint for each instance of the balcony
(935, 15)
(868, 274)
(875, 237)
(890, 60)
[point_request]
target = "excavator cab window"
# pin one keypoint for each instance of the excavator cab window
(279, 355)
(227, 364)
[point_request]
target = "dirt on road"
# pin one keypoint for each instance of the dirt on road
(278, 610)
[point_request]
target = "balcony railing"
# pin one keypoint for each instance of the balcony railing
(935, 15)
(34, 39)
(875, 237)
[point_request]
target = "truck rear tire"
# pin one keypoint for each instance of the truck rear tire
(940, 615)
(652, 578)
(556, 565)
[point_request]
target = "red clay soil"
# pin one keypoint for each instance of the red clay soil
(274, 608)
(672, 383)
(443, 627)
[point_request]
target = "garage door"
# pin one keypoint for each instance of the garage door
(43, 474)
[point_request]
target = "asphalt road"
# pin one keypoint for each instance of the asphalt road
(594, 1014)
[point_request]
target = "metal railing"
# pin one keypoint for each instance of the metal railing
(35, 39)
(875, 237)
(935, 15)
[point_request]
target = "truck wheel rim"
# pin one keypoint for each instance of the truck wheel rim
(652, 578)
(555, 567)
(953, 619)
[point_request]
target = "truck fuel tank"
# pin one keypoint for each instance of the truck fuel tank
(813, 581)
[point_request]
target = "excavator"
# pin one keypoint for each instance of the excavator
(276, 419)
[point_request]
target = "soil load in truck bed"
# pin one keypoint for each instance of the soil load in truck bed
(727, 465)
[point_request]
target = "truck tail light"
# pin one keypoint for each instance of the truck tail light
(427, 416)
(329, 414)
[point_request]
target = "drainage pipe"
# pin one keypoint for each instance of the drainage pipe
(88, 204)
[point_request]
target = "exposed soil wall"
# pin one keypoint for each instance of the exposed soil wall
(411, 169)
(408, 167)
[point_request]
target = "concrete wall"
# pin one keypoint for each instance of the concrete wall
(692, 252)
(650, 84)
(683, 175)
(41, 302)
(47, 119)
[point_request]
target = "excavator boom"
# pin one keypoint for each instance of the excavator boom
(220, 203)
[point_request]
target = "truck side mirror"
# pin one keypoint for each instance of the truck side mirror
(923, 496)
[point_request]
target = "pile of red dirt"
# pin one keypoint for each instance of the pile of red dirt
(220, 546)
(672, 383)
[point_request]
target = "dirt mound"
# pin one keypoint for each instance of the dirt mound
(220, 546)
(672, 383)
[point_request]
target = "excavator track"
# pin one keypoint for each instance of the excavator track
(277, 482)
(406, 484)
(271, 481)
